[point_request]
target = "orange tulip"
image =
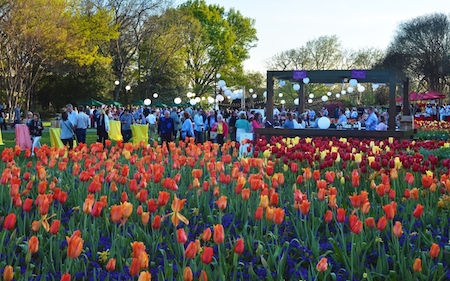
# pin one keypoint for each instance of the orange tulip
(10, 221)
(207, 255)
(66, 277)
(259, 213)
(389, 211)
(187, 274)
(145, 218)
(97, 209)
(33, 244)
(340, 217)
(321, 184)
(381, 224)
(304, 207)
(219, 234)
(116, 213)
(397, 230)
(177, 206)
(8, 273)
(54, 228)
(156, 222)
(322, 265)
(127, 210)
(163, 198)
(203, 276)
(222, 202)
(135, 267)
(138, 248)
(74, 246)
(191, 250)
(417, 266)
(434, 250)
(206, 236)
(245, 194)
(356, 224)
(307, 173)
(239, 247)
(111, 265)
(418, 211)
(278, 216)
(321, 193)
(328, 216)
(370, 222)
(355, 178)
(427, 181)
(316, 175)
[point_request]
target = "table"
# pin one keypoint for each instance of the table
(115, 133)
(23, 138)
(140, 133)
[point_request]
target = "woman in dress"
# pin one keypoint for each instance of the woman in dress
(256, 123)
(66, 130)
(36, 128)
(102, 127)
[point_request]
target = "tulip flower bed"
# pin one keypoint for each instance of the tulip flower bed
(432, 130)
(294, 209)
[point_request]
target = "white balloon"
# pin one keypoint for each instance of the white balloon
(228, 93)
(310, 101)
(311, 95)
(192, 102)
(147, 101)
(343, 92)
(305, 80)
(254, 96)
(329, 94)
(338, 95)
(323, 123)
(375, 86)
(361, 89)
(265, 94)
(350, 89)
(177, 100)
(283, 101)
(353, 82)
(234, 96)
(197, 99)
(296, 101)
(296, 87)
(218, 75)
(324, 98)
(282, 83)
(239, 94)
(220, 98)
(211, 100)
(221, 83)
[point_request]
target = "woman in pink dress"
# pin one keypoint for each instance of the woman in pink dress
(256, 123)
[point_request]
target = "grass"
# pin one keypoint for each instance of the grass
(9, 136)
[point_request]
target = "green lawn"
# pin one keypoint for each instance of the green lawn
(9, 136)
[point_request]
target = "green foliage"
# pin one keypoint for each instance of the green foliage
(441, 153)
(432, 135)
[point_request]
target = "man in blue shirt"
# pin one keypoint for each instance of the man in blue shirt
(372, 120)
(342, 117)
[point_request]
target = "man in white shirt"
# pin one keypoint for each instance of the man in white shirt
(72, 114)
(151, 120)
(81, 124)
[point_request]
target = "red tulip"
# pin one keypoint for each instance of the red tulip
(382, 222)
(156, 222)
(191, 250)
(207, 255)
(328, 216)
(181, 236)
(397, 230)
(111, 265)
(370, 222)
(259, 213)
(418, 211)
(340, 217)
(239, 247)
(54, 228)
(27, 205)
(33, 244)
(10, 221)
(66, 277)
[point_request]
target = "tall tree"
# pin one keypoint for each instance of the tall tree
(130, 16)
(421, 48)
(220, 45)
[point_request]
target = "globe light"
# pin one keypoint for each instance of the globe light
(211, 100)
(350, 89)
(324, 98)
(329, 94)
(282, 83)
(220, 98)
(155, 95)
(296, 87)
(310, 101)
(311, 95)
(375, 86)
(265, 94)
(128, 87)
(343, 92)
(203, 98)
(296, 102)
(117, 83)
(147, 101)
(254, 96)
(305, 80)
(353, 82)
(192, 102)
(361, 89)
(197, 99)
(338, 95)
(218, 75)
(250, 90)
(177, 100)
(280, 95)
(283, 101)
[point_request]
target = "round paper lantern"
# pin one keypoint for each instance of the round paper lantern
(338, 95)
(350, 89)
(311, 95)
(310, 101)
(177, 100)
(197, 99)
(361, 89)
(211, 100)
(323, 123)
(147, 101)
(305, 80)
(218, 75)
(192, 102)
(343, 92)
(254, 96)
(155, 95)
(296, 101)
(353, 82)
(280, 95)
(265, 94)
(228, 92)
(296, 87)
(324, 98)
(128, 87)
(375, 86)
(282, 83)
(283, 101)
(329, 94)
(221, 83)
(220, 98)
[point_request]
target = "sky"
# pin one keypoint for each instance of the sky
(287, 24)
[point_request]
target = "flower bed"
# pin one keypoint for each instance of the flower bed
(297, 209)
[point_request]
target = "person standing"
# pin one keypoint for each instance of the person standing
(126, 119)
(3, 117)
(221, 128)
(81, 124)
(36, 129)
(66, 130)
(199, 129)
(232, 125)
(176, 120)
(166, 128)
(17, 116)
(372, 120)
(187, 129)
(342, 118)
(72, 114)
(211, 119)
(151, 120)
(102, 126)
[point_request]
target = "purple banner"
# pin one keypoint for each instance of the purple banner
(358, 73)
(299, 74)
